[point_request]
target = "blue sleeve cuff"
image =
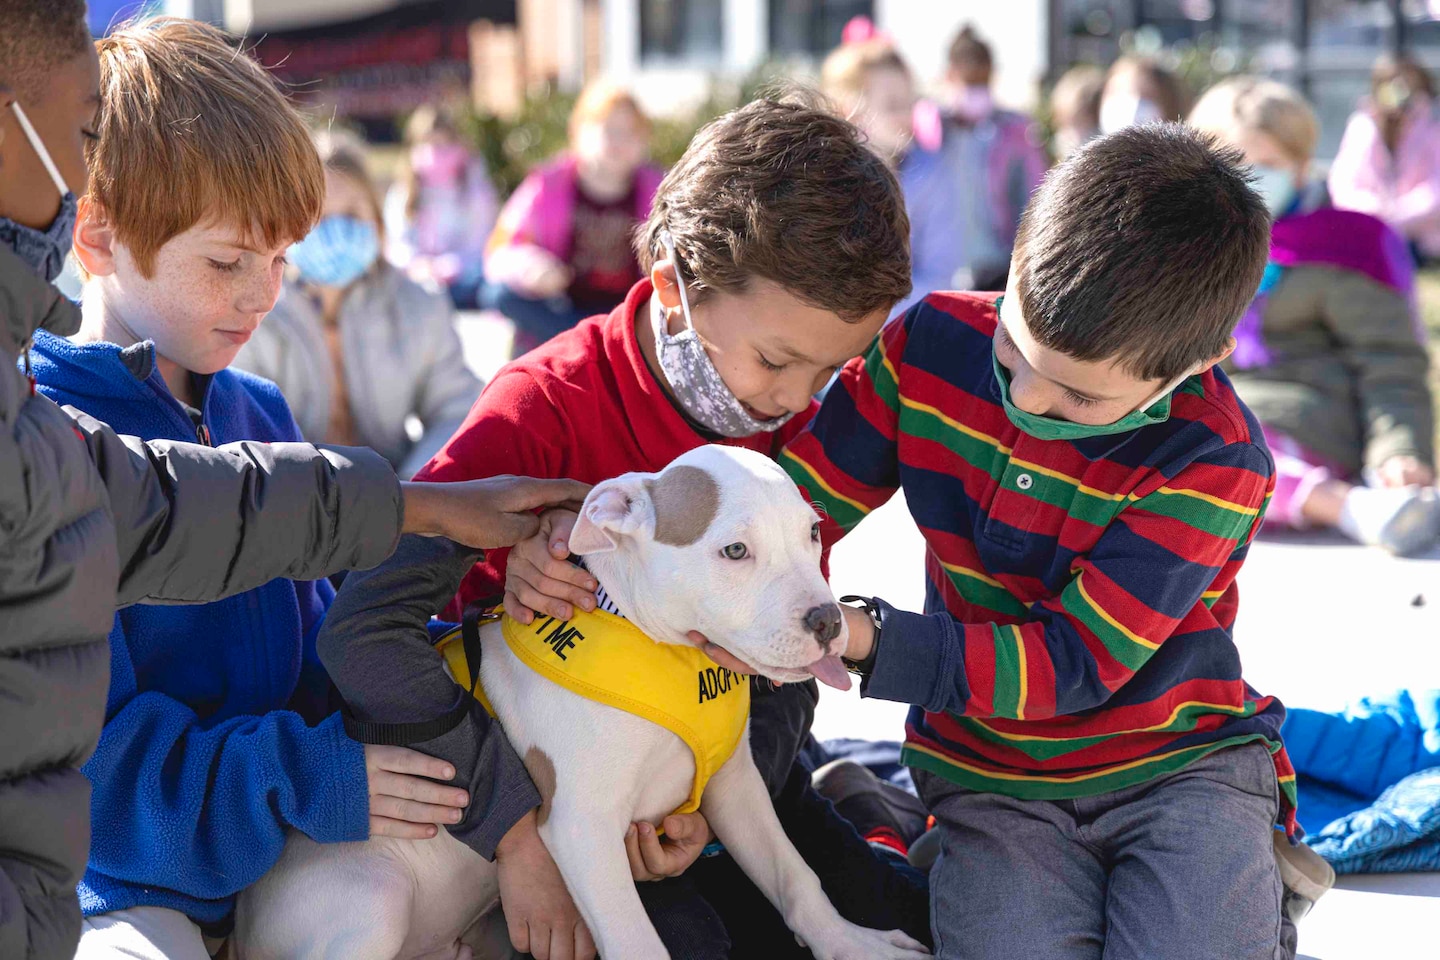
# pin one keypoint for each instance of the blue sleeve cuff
(345, 814)
(921, 659)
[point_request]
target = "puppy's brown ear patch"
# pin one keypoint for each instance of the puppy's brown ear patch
(542, 771)
(686, 500)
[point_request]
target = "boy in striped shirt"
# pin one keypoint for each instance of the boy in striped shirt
(1087, 482)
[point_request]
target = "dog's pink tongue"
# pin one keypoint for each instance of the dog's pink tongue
(831, 671)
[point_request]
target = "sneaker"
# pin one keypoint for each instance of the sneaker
(1305, 874)
(871, 804)
(1414, 527)
(1404, 521)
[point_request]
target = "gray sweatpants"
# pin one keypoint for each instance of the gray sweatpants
(1179, 867)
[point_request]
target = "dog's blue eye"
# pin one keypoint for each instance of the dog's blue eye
(815, 532)
(735, 551)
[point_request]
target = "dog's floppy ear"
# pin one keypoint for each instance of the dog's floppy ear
(614, 509)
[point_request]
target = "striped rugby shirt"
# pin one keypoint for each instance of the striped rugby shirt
(1079, 594)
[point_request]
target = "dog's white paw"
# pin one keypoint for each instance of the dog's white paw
(850, 942)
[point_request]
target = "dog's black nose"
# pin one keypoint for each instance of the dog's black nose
(824, 622)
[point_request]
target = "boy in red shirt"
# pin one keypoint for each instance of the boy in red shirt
(791, 240)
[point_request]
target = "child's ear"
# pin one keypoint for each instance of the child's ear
(662, 277)
(1219, 357)
(94, 238)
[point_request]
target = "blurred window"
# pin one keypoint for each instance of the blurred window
(812, 28)
(688, 30)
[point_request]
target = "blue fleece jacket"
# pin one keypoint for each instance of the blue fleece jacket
(218, 733)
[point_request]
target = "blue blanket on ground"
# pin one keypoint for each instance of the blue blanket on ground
(1369, 781)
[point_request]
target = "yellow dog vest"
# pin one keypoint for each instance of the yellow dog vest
(605, 658)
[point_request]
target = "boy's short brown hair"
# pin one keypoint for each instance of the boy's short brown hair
(1143, 247)
(787, 191)
(193, 130)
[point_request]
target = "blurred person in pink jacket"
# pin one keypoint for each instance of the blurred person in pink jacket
(440, 209)
(1388, 164)
(562, 248)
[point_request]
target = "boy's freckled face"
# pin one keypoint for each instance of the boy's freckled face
(208, 291)
(1048, 383)
(773, 350)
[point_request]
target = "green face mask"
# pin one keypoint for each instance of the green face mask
(1155, 410)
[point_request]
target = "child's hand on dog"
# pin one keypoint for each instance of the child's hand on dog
(651, 858)
(539, 578)
(539, 912)
(405, 800)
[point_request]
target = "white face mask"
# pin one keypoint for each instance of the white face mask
(693, 379)
(1126, 110)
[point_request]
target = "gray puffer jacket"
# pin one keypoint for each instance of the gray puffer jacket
(90, 521)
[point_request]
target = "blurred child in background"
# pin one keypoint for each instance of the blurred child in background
(357, 347)
(441, 209)
(1388, 164)
(1329, 355)
(965, 179)
(1075, 108)
(1010, 160)
(1140, 90)
(562, 249)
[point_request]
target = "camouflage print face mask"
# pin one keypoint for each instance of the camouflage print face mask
(692, 376)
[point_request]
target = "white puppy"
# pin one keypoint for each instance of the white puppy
(721, 542)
